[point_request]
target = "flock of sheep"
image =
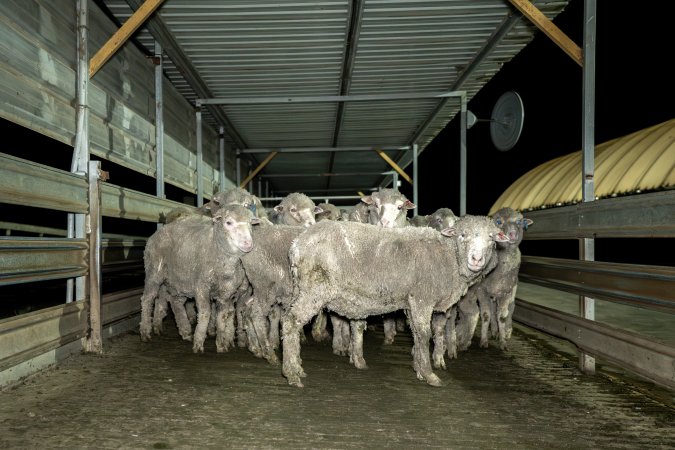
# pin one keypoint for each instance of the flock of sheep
(257, 279)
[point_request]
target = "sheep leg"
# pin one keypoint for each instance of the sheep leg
(273, 334)
(303, 309)
(161, 306)
(340, 346)
(420, 323)
(180, 314)
(357, 327)
(400, 324)
(494, 323)
(242, 338)
(150, 292)
(469, 313)
(319, 327)
(224, 312)
(438, 329)
(203, 316)
(451, 332)
(486, 315)
(211, 330)
(259, 322)
(510, 308)
(389, 330)
(191, 312)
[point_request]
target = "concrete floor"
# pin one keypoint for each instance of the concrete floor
(160, 395)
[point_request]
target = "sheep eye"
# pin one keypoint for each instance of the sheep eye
(400, 207)
(228, 223)
(294, 210)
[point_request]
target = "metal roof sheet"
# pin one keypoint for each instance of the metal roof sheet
(243, 49)
(641, 161)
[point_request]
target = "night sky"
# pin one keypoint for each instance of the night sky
(634, 90)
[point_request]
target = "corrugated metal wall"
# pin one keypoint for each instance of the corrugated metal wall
(37, 90)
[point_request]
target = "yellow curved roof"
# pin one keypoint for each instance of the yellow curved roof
(642, 161)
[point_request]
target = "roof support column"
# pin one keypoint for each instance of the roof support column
(462, 156)
(415, 183)
(159, 123)
(221, 158)
(238, 167)
(587, 246)
(200, 165)
(80, 162)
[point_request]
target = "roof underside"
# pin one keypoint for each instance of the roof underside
(247, 50)
(639, 162)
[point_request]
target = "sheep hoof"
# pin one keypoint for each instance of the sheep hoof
(483, 344)
(272, 359)
(295, 381)
(198, 348)
(439, 363)
(388, 340)
(359, 363)
(433, 380)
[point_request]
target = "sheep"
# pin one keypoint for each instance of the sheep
(295, 209)
(386, 208)
(267, 270)
(328, 212)
(440, 219)
(357, 270)
(185, 318)
(494, 297)
(360, 213)
(198, 257)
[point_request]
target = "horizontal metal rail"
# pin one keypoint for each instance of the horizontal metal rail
(326, 98)
(649, 215)
(59, 232)
(35, 259)
(126, 203)
(322, 149)
(29, 335)
(650, 287)
(27, 183)
(646, 357)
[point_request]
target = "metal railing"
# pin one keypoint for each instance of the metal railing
(652, 287)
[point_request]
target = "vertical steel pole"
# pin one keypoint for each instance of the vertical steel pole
(94, 340)
(249, 186)
(462, 156)
(587, 246)
(200, 164)
(238, 167)
(394, 179)
(415, 172)
(159, 123)
(80, 162)
(221, 158)
(259, 187)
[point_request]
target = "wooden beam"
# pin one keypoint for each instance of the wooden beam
(122, 35)
(395, 166)
(550, 29)
(258, 169)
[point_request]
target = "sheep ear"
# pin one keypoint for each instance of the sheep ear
(449, 232)
(255, 221)
(409, 205)
(528, 222)
(279, 208)
(367, 199)
(217, 218)
(318, 210)
(501, 237)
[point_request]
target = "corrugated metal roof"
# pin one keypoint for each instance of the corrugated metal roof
(244, 49)
(639, 162)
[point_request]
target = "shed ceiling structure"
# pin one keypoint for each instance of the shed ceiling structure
(393, 56)
(639, 162)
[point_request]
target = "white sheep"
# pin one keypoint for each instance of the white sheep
(494, 298)
(199, 257)
(357, 270)
(295, 209)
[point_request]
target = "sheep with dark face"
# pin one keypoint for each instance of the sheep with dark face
(329, 262)
(295, 209)
(494, 297)
(198, 257)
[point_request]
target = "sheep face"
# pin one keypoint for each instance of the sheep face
(236, 220)
(476, 237)
(297, 209)
(512, 223)
(388, 208)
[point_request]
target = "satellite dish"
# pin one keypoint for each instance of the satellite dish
(506, 121)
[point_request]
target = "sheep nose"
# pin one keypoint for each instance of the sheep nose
(476, 259)
(385, 223)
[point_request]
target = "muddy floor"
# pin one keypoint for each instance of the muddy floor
(161, 395)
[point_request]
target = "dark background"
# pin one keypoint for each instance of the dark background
(634, 90)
